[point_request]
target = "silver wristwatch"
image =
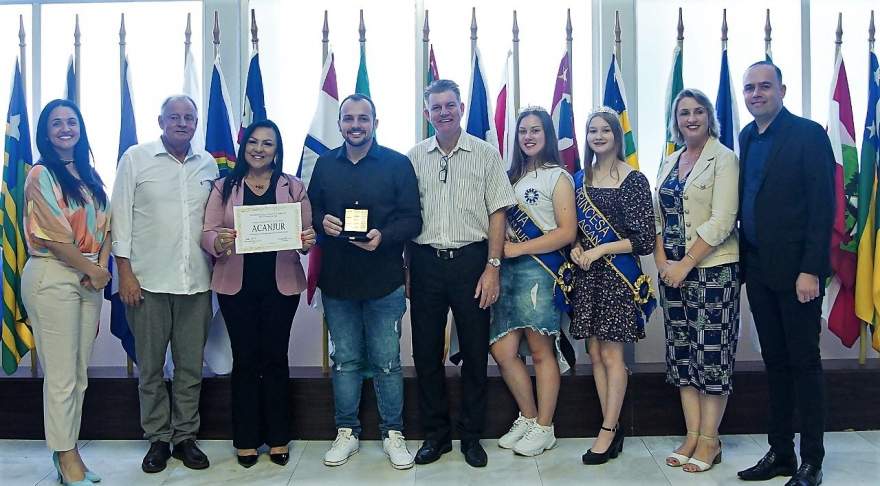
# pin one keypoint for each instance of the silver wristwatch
(495, 262)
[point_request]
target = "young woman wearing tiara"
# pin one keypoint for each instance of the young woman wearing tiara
(526, 319)
(612, 298)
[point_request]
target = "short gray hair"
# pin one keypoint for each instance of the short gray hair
(178, 97)
(441, 85)
(701, 100)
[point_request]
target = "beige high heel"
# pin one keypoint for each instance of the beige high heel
(677, 460)
(703, 466)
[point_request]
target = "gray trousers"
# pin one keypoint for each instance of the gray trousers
(183, 321)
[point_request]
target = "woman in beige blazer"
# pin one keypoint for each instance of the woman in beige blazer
(697, 255)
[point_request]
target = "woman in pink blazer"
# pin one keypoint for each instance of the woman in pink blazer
(258, 293)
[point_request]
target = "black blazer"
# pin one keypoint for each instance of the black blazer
(794, 207)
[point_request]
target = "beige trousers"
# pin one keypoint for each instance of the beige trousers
(64, 316)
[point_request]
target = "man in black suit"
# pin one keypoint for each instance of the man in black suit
(786, 216)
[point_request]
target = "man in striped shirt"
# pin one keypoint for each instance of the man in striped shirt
(455, 263)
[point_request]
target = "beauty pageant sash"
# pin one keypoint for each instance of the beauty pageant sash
(599, 231)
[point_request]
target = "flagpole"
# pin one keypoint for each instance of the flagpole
(187, 37)
(617, 48)
(568, 50)
(515, 66)
(22, 63)
(723, 30)
(473, 34)
(129, 364)
(325, 334)
(362, 32)
(255, 40)
(767, 38)
(863, 327)
(76, 59)
(426, 66)
(216, 33)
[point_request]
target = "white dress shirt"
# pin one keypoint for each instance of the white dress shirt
(158, 206)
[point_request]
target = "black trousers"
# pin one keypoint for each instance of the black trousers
(789, 334)
(259, 331)
(436, 285)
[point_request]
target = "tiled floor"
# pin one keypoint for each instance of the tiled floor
(852, 459)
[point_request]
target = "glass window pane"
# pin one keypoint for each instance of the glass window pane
(656, 21)
(9, 51)
(823, 24)
(290, 56)
(155, 56)
(541, 47)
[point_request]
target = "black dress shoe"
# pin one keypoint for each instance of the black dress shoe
(247, 461)
(807, 475)
(770, 466)
(431, 450)
(157, 457)
(474, 454)
(280, 458)
(591, 458)
(188, 452)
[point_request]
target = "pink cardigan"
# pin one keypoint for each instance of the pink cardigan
(228, 269)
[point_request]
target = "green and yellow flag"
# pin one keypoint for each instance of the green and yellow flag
(676, 84)
(362, 85)
(17, 161)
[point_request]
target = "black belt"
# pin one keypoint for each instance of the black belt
(452, 253)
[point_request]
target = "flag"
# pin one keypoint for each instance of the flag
(867, 273)
(323, 136)
(675, 85)
(70, 81)
(615, 98)
(430, 76)
(219, 139)
(505, 114)
(17, 161)
(192, 88)
(563, 117)
(127, 138)
(362, 85)
(253, 100)
(479, 121)
(726, 108)
(840, 298)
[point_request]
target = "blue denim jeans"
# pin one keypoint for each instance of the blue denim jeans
(366, 338)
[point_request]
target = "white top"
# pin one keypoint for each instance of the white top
(158, 207)
(534, 193)
(456, 213)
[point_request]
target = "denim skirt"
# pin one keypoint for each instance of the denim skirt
(526, 302)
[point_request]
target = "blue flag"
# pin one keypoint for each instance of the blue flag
(70, 84)
(480, 118)
(726, 110)
(254, 100)
(219, 141)
(127, 138)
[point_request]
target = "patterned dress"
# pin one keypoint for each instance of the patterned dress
(603, 303)
(701, 316)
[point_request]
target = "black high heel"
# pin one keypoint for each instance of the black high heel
(280, 458)
(591, 458)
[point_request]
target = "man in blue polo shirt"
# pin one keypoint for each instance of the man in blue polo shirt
(362, 273)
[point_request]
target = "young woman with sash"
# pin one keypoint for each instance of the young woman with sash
(535, 277)
(697, 255)
(612, 298)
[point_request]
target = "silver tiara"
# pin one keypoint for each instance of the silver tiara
(604, 109)
(533, 108)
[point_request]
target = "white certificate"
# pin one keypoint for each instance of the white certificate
(267, 227)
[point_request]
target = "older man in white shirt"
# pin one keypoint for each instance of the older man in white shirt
(158, 206)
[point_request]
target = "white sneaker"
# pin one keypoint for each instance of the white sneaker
(537, 439)
(517, 431)
(343, 447)
(395, 448)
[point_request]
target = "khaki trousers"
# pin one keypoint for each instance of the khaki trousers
(64, 316)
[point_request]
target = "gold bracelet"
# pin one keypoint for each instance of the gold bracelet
(691, 257)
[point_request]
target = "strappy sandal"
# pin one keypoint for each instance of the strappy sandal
(700, 465)
(680, 459)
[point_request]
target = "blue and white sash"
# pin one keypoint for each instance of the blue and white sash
(598, 231)
(555, 262)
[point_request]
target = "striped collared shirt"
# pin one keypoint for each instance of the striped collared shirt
(456, 212)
